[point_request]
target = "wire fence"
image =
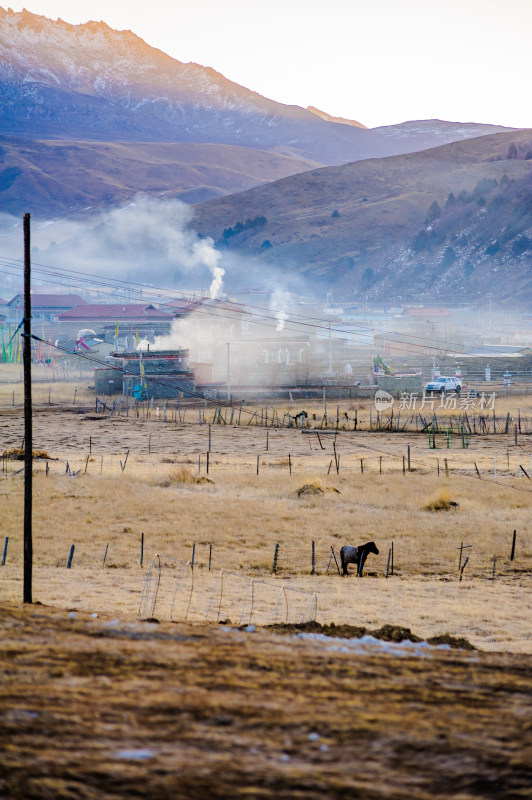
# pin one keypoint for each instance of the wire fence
(191, 593)
(443, 454)
(471, 415)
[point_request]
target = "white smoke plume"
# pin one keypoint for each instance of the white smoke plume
(147, 240)
(210, 256)
(278, 303)
(282, 316)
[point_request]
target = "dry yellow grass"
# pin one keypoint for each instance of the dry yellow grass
(243, 515)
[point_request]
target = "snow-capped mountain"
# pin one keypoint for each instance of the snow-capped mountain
(92, 82)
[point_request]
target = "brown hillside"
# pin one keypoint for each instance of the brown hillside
(58, 174)
(355, 225)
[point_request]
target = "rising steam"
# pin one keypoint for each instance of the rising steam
(147, 240)
(278, 303)
(210, 257)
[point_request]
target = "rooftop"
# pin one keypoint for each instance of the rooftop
(130, 312)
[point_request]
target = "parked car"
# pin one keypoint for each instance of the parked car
(443, 384)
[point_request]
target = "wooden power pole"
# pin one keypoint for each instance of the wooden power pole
(28, 432)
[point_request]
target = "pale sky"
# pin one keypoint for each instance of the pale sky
(376, 61)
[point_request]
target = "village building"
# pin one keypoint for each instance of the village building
(102, 318)
(45, 307)
(164, 374)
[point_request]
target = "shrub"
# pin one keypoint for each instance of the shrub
(442, 502)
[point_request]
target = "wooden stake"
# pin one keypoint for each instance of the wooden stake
(512, 554)
(7, 542)
(275, 557)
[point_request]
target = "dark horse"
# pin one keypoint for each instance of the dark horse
(356, 555)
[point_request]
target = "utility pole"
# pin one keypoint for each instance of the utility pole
(28, 432)
(228, 373)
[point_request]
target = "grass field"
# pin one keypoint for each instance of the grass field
(99, 703)
(238, 517)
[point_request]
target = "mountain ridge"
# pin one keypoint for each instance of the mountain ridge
(371, 227)
(89, 81)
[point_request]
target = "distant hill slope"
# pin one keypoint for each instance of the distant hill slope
(62, 178)
(450, 222)
(91, 82)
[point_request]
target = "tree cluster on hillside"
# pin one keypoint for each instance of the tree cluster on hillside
(239, 227)
(494, 220)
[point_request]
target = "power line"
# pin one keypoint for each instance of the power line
(314, 322)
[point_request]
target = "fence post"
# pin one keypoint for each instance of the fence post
(512, 554)
(313, 570)
(141, 548)
(210, 556)
(275, 557)
(105, 554)
(5, 551)
(70, 557)
(193, 555)
(408, 458)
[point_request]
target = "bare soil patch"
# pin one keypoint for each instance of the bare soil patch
(101, 707)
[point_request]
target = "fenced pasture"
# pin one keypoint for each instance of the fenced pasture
(229, 497)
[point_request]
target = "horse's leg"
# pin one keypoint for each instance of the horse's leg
(344, 565)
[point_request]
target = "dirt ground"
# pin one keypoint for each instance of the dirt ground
(95, 706)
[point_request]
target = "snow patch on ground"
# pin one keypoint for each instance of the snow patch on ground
(369, 645)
